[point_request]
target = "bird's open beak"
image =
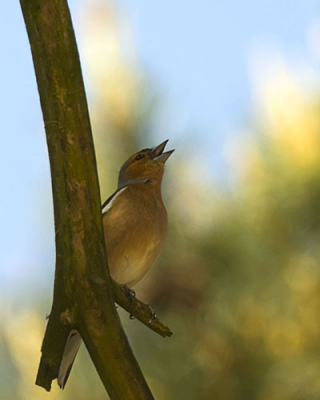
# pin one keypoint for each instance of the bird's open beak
(157, 153)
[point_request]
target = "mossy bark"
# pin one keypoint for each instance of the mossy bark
(80, 253)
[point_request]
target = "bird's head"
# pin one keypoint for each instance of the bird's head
(146, 165)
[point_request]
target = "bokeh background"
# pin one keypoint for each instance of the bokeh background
(235, 87)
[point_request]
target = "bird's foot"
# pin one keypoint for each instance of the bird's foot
(129, 292)
(153, 315)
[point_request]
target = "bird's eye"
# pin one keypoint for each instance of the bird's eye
(139, 156)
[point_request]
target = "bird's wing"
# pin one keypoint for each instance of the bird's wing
(108, 203)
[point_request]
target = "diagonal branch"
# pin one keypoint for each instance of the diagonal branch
(139, 310)
(78, 302)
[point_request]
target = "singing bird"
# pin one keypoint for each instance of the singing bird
(135, 227)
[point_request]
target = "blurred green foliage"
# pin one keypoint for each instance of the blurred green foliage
(239, 280)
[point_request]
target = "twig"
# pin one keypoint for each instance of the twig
(139, 310)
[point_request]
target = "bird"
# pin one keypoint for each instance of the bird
(135, 228)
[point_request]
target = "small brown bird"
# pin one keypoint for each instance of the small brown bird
(135, 227)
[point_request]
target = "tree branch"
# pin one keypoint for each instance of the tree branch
(78, 302)
(139, 310)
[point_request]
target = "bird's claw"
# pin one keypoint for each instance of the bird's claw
(153, 315)
(129, 292)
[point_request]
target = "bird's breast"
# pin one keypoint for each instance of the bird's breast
(135, 231)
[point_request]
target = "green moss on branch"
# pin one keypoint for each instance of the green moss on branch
(80, 252)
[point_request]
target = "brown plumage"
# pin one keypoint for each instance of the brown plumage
(135, 230)
(135, 227)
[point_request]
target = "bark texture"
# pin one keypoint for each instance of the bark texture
(83, 296)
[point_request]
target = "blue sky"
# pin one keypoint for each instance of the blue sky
(196, 52)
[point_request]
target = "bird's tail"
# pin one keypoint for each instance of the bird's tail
(70, 351)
